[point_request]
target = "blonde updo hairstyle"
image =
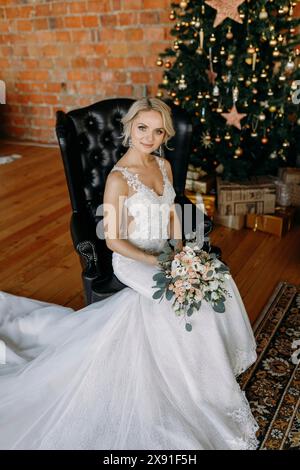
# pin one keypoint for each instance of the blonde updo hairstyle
(148, 104)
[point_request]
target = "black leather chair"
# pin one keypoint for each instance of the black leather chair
(90, 144)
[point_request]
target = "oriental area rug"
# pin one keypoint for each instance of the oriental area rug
(272, 383)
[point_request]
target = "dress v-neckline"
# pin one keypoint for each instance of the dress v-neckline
(136, 175)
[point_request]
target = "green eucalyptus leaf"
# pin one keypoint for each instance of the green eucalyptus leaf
(219, 307)
(158, 294)
(169, 294)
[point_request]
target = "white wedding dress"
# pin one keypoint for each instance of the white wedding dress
(124, 373)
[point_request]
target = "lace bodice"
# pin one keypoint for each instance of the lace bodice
(149, 213)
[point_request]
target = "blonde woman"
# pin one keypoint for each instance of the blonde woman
(123, 373)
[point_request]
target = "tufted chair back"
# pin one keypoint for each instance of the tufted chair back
(90, 144)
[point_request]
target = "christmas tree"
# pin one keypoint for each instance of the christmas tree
(235, 68)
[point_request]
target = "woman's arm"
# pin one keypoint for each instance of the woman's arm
(115, 192)
(175, 224)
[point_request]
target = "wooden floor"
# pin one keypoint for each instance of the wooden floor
(37, 258)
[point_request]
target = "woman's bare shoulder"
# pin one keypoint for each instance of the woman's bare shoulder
(116, 182)
(167, 166)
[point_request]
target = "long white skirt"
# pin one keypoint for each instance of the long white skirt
(123, 373)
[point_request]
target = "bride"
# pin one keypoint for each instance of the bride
(123, 373)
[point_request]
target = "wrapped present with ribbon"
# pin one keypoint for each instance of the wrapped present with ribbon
(277, 224)
(207, 200)
(255, 196)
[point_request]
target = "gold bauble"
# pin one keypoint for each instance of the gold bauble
(253, 134)
(173, 94)
(202, 120)
(285, 144)
(282, 78)
(222, 51)
(263, 74)
(176, 46)
(264, 140)
(239, 151)
(251, 49)
(270, 92)
(177, 101)
(159, 94)
(241, 78)
(248, 60)
(172, 15)
(159, 62)
(248, 82)
(229, 34)
(183, 4)
(263, 14)
(254, 79)
(168, 64)
(272, 109)
(219, 109)
(273, 41)
(218, 139)
(276, 52)
(212, 38)
(227, 136)
(229, 62)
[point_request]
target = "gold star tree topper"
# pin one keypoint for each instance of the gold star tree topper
(233, 118)
(225, 9)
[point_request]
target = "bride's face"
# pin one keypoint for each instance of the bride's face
(147, 132)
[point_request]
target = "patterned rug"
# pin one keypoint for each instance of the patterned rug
(272, 384)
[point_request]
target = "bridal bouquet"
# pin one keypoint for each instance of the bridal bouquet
(190, 276)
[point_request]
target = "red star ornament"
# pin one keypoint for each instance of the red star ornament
(233, 118)
(211, 76)
(225, 9)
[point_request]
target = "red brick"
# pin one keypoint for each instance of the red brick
(150, 17)
(77, 7)
(133, 4)
(140, 77)
(80, 36)
(128, 18)
(24, 25)
(109, 20)
(98, 6)
(73, 22)
(90, 21)
(115, 62)
(153, 34)
(133, 34)
(40, 23)
(63, 36)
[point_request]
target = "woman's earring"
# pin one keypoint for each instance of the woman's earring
(130, 142)
(160, 151)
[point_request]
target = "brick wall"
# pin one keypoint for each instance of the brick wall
(67, 54)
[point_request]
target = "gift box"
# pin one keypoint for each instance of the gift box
(277, 224)
(289, 175)
(208, 201)
(256, 196)
(287, 194)
(231, 221)
(202, 185)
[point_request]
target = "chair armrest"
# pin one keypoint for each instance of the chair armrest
(85, 244)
